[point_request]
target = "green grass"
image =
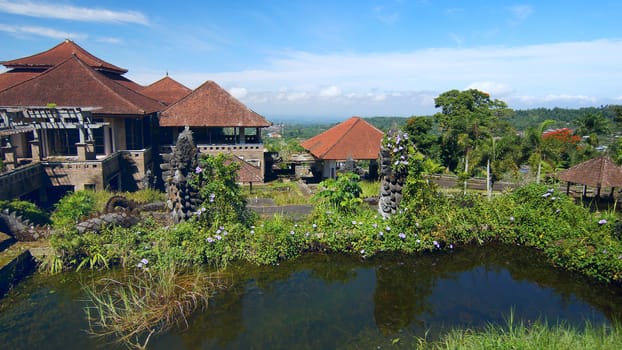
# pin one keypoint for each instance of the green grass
(370, 188)
(283, 193)
(537, 336)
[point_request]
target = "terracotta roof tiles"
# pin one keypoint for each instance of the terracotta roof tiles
(247, 172)
(60, 53)
(74, 83)
(209, 105)
(15, 76)
(353, 138)
(166, 90)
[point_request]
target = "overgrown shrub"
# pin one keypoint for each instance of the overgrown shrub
(27, 210)
(73, 208)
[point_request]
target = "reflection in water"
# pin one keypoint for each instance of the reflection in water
(321, 301)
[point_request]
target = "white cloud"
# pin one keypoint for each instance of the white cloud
(491, 87)
(41, 31)
(332, 91)
(574, 98)
(562, 74)
(109, 40)
(238, 92)
(68, 12)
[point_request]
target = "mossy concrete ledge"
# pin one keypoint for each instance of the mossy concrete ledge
(15, 265)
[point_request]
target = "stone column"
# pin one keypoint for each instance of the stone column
(35, 150)
(242, 135)
(86, 150)
(10, 159)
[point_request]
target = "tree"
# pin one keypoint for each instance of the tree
(419, 130)
(533, 146)
(592, 125)
(467, 118)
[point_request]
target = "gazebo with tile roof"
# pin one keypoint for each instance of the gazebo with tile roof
(600, 172)
(353, 139)
(220, 124)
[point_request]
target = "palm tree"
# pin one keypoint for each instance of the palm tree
(535, 145)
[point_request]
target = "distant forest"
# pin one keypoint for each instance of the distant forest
(521, 120)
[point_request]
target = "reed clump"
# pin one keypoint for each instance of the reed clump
(133, 308)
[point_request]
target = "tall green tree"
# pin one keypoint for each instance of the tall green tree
(534, 150)
(466, 119)
(419, 130)
(592, 125)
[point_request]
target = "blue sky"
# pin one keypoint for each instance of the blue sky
(335, 59)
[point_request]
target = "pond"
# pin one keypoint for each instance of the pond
(326, 302)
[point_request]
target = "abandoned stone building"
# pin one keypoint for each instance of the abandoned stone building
(71, 121)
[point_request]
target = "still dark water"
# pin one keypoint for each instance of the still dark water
(329, 302)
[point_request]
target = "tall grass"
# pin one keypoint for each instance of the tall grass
(139, 305)
(370, 188)
(537, 336)
(283, 193)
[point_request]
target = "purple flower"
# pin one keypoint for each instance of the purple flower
(353, 222)
(210, 240)
(602, 221)
(387, 228)
(546, 194)
(292, 232)
(198, 170)
(374, 225)
(362, 251)
(144, 261)
(436, 244)
(451, 246)
(381, 234)
(314, 225)
(402, 235)
(218, 237)
(140, 265)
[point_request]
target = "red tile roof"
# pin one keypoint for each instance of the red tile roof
(124, 81)
(60, 53)
(247, 172)
(75, 83)
(597, 172)
(15, 76)
(353, 138)
(209, 105)
(166, 90)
